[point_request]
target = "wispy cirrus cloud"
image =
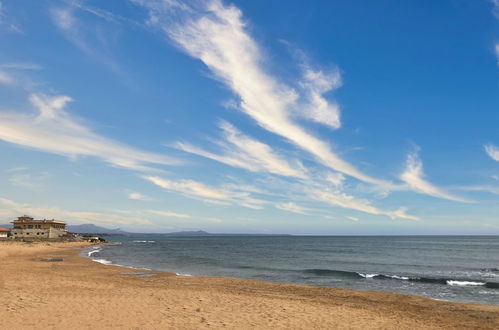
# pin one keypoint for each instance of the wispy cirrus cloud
(6, 23)
(138, 196)
(242, 151)
(54, 130)
(414, 177)
(216, 34)
(492, 151)
(29, 180)
(195, 189)
(346, 201)
(291, 207)
(495, 8)
(90, 38)
(315, 84)
(169, 214)
(6, 78)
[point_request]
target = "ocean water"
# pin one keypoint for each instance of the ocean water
(463, 269)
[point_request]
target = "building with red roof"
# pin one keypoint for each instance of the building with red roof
(4, 232)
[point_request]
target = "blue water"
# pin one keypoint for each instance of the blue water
(464, 269)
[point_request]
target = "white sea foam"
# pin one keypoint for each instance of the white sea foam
(144, 241)
(464, 283)
(180, 274)
(368, 275)
(405, 278)
(95, 250)
(102, 261)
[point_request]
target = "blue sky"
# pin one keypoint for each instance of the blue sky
(331, 117)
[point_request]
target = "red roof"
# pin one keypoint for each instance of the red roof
(4, 229)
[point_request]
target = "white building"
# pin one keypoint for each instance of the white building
(27, 227)
(4, 232)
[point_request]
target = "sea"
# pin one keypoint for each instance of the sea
(451, 268)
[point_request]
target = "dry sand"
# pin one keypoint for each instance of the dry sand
(77, 293)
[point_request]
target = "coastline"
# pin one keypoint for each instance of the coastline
(49, 285)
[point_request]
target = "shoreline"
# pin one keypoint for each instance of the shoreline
(35, 282)
(448, 281)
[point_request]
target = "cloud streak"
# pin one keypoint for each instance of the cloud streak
(492, 151)
(194, 189)
(250, 154)
(414, 177)
(53, 130)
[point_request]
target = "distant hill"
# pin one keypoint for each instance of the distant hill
(89, 228)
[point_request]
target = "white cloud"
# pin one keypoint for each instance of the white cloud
(245, 152)
(169, 214)
(6, 79)
(29, 180)
(11, 209)
(17, 169)
(495, 9)
(216, 34)
(63, 18)
(91, 38)
(291, 207)
(194, 189)
(414, 177)
(353, 219)
(336, 179)
(318, 109)
(138, 196)
(20, 66)
(189, 187)
(349, 202)
(53, 130)
(489, 189)
(6, 23)
(492, 151)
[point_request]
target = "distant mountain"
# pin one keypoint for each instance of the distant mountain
(89, 228)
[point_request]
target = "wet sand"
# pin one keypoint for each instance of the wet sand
(51, 287)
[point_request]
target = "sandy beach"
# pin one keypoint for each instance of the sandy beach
(49, 286)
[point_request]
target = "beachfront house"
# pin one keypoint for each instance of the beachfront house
(27, 227)
(4, 232)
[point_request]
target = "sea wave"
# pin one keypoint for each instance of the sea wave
(182, 274)
(429, 280)
(144, 241)
(465, 283)
(94, 251)
(103, 261)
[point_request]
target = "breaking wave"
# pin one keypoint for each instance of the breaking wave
(429, 280)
